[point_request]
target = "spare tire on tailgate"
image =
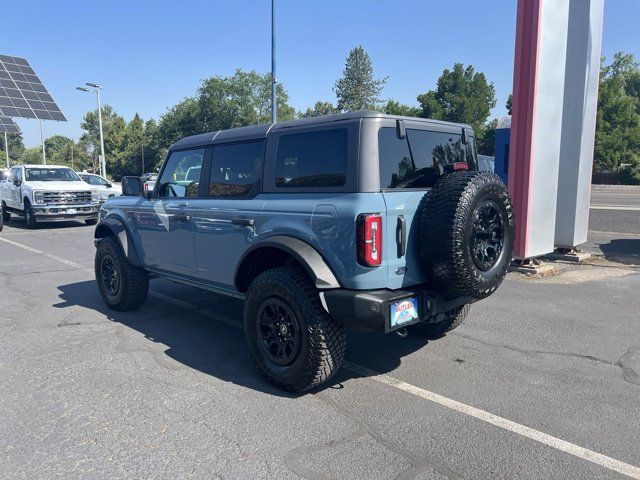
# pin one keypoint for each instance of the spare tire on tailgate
(466, 234)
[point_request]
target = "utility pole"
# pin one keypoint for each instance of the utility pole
(102, 159)
(142, 161)
(44, 154)
(274, 81)
(6, 148)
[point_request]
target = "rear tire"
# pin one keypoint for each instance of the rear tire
(453, 319)
(122, 286)
(295, 343)
(29, 216)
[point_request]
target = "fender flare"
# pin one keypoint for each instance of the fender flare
(117, 228)
(317, 268)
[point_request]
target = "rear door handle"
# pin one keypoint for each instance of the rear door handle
(245, 222)
(181, 217)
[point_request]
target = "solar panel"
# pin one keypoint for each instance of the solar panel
(7, 125)
(22, 94)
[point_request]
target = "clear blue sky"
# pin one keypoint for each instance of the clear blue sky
(148, 55)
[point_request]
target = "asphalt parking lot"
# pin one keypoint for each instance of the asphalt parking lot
(542, 381)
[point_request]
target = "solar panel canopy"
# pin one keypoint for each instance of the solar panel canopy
(7, 125)
(22, 94)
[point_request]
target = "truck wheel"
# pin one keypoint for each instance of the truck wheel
(452, 319)
(294, 341)
(91, 221)
(6, 216)
(122, 285)
(29, 215)
(466, 234)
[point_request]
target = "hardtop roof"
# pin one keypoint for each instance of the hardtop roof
(258, 132)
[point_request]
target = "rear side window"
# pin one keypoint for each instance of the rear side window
(418, 160)
(235, 169)
(312, 159)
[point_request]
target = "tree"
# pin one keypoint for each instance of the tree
(357, 89)
(113, 126)
(487, 143)
(509, 104)
(617, 142)
(320, 108)
(31, 155)
(462, 95)
(396, 108)
(16, 147)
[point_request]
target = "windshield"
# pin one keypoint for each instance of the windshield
(94, 180)
(51, 175)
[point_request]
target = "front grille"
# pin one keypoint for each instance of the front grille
(67, 198)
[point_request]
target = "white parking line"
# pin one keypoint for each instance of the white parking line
(628, 208)
(500, 422)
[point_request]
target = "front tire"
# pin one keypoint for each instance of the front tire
(29, 216)
(122, 286)
(294, 341)
(6, 216)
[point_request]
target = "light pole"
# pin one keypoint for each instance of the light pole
(44, 154)
(6, 148)
(103, 160)
(274, 108)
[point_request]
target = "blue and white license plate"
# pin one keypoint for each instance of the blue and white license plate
(71, 211)
(403, 312)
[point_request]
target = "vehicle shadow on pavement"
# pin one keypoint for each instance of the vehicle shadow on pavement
(207, 336)
(19, 223)
(624, 250)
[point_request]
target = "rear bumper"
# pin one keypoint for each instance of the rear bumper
(369, 310)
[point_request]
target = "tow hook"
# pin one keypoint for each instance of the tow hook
(402, 332)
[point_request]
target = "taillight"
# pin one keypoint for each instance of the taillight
(370, 239)
(146, 186)
(460, 166)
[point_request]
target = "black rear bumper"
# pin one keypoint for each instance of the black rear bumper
(369, 310)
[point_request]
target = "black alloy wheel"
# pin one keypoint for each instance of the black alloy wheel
(279, 331)
(487, 235)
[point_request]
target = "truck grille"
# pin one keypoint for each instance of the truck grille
(67, 198)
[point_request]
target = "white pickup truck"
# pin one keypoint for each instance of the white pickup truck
(48, 193)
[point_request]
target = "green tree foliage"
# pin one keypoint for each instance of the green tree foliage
(31, 155)
(617, 145)
(509, 104)
(16, 148)
(487, 142)
(396, 108)
(221, 102)
(357, 89)
(320, 108)
(462, 95)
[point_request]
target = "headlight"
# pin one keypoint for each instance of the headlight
(38, 196)
(94, 196)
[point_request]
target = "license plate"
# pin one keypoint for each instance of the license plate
(71, 211)
(403, 312)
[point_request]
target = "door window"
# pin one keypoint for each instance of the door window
(181, 175)
(19, 174)
(236, 169)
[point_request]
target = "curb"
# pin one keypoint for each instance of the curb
(615, 187)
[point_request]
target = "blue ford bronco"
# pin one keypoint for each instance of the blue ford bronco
(356, 221)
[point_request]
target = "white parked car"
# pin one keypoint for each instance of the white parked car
(104, 187)
(48, 193)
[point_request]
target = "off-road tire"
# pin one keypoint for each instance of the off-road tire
(322, 340)
(6, 216)
(91, 221)
(133, 286)
(447, 232)
(29, 215)
(452, 319)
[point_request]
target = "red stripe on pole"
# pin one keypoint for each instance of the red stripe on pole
(523, 119)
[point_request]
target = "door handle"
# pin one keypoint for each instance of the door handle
(401, 236)
(181, 217)
(245, 222)
(177, 204)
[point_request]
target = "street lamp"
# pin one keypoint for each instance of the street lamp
(103, 161)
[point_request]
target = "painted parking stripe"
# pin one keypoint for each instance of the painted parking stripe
(500, 422)
(538, 436)
(628, 208)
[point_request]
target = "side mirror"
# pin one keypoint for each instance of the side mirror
(131, 186)
(109, 184)
(17, 182)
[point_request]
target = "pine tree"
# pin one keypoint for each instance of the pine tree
(357, 89)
